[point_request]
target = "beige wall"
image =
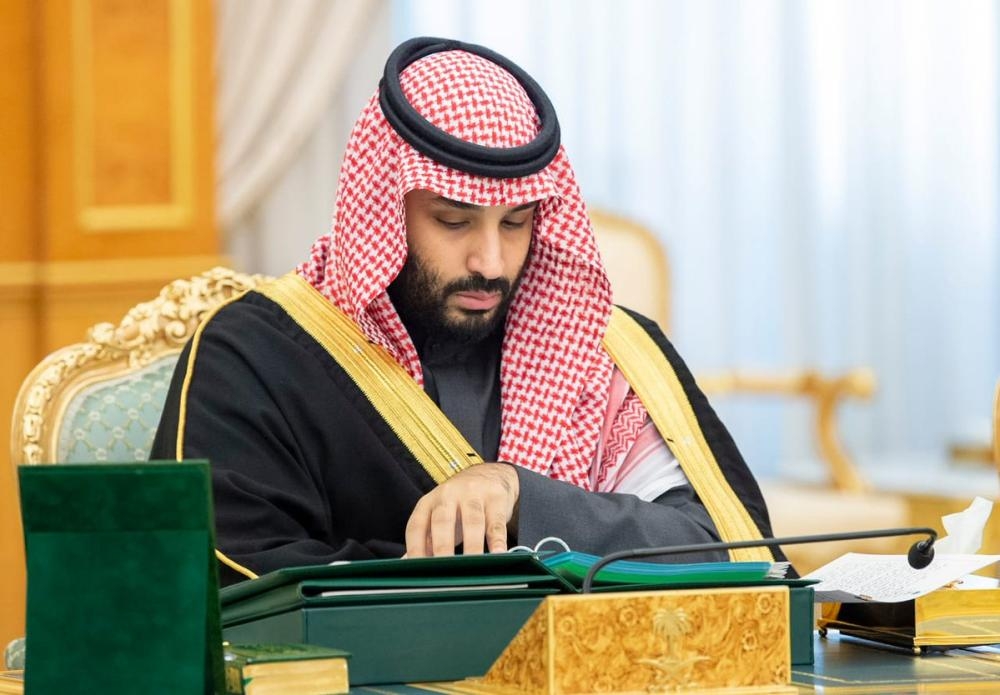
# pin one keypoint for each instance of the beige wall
(106, 184)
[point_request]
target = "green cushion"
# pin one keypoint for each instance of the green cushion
(116, 420)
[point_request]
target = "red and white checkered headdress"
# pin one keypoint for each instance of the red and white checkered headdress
(554, 373)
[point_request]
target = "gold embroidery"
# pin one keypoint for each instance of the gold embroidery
(653, 378)
(411, 414)
(182, 419)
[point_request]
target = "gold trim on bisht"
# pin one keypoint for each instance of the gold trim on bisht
(653, 378)
(411, 414)
(182, 420)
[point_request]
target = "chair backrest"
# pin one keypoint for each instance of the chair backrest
(637, 265)
(100, 400)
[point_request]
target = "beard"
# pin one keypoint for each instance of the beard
(420, 297)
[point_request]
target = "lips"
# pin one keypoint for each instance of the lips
(477, 301)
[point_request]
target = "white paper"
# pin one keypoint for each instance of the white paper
(978, 581)
(965, 528)
(857, 577)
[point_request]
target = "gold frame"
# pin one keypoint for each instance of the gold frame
(825, 391)
(180, 209)
(149, 331)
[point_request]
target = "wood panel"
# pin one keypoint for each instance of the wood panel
(124, 155)
(128, 138)
(107, 185)
(18, 274)
(18, 325)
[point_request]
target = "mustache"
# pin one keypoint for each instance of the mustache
(477, 283)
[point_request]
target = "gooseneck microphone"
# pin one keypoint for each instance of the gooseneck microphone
(919, 556)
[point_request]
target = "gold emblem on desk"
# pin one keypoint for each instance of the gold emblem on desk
(733, 639)
(676, 663)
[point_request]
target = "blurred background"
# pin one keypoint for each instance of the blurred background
(822, 175)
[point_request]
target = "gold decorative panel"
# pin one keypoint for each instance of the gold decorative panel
(660, 641)
(133, 118)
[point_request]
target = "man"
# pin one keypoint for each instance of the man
(447, 372)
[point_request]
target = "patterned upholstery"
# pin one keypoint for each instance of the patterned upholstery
(100, 400)
(116, 420)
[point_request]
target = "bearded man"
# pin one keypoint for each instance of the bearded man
(447, 372)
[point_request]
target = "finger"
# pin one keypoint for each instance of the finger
(417, 528)
(473, 527)
(496, 531)
(442, 530)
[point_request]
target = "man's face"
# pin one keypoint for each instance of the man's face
(463, 265)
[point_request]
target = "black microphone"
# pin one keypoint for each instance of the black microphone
(920, 555)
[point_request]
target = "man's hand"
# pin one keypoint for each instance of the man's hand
(473, 505)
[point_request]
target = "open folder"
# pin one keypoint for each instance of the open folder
(440, 618)
(473, 577)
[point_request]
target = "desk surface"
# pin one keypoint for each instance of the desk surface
(843, 665)
(849, 665)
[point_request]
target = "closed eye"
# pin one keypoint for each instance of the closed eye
(451, 224)
(516, 224)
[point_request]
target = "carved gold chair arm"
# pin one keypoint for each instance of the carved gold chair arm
(825, 392)
(169, 320)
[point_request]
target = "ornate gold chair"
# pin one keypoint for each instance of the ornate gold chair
(639, 270)
(100, 400)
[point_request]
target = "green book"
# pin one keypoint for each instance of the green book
(285, 669)
(122, 587)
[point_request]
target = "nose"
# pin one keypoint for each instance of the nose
(486, 254)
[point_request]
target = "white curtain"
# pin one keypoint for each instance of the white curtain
(292, 77)
(824, 174)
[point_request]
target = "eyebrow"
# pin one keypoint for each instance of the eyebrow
(469, 206)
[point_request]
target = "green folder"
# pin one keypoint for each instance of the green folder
(122, 588)
(381, 582)
(440, 618)
(574, 566)
(423, 619)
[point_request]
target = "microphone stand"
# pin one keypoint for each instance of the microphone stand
(920, 554)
